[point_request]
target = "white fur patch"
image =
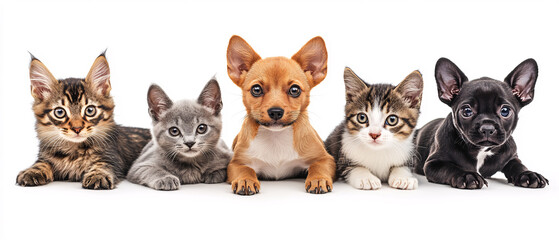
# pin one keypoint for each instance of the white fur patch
(273, 154)
(401, 178)
(361, 178)
(481, 156)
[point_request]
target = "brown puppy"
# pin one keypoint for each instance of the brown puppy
(277, 140)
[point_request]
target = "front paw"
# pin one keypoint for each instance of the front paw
(167, 183)
(363, 179)
(98, 181)
(404, 183)
(468, 180)
(318, 185)
(215, 177)
(245, 186)
(529, 179)
(33, 177)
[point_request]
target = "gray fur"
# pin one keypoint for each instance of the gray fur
(164, 163)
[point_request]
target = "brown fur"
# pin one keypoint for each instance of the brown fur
(307, 68)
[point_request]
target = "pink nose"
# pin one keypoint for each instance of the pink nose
(77, 130)
(374, 136)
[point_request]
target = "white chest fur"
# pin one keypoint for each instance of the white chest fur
(378, 160)
(481, 156)
(273, 155)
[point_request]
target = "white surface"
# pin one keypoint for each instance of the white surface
(181, 45)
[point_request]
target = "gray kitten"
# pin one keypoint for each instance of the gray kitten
(186, 146)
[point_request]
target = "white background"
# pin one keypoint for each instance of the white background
(181, 45)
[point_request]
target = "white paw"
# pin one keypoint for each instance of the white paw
(405, 183)
(361, 178)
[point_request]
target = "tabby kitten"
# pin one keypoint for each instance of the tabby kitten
(374, 143)
(186, 147)
(79, 140)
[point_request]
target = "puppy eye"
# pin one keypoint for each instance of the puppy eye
(202, 128)
(392, 120)
(362, 118)
(174, 131)
(256, 91)
(467, 112)
(90, 111)
(505, 111)
(294, 91)
(59, 112)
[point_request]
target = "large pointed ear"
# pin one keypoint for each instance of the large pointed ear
(353, 84)
(210, 97)
(158, 102)
(99, 75)
(449, 80)
(411, 89)
(522, 80)
(42, 81)
(313, 58)
(240, 57)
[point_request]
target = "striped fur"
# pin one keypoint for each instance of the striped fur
(367, 143)
(81, 145)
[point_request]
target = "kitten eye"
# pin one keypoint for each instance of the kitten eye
(362, 118)
(256, 91)
(294, 91)
(59, 112)
(505, 111)
(174, 131)
(90, 111)
(392, 120)
(202, 128)
(467, 112)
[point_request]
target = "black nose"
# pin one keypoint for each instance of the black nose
(275, 113)
(189, 144)
(487, 129)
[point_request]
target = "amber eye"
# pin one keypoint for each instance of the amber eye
(90, 111)
(294, 91)
(59, 112)
(202, 128)
(256, 91)
(391, 120)
(174, 131)
(362, 118)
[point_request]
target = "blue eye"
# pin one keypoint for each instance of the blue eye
(59, 112)
(505, 111)
(467, 112)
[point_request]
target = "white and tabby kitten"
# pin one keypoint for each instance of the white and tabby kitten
(186, 147)
(374, 143)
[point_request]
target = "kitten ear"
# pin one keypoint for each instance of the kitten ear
(210, 97)
(240, 57)
(411, 89)
(449, 79)
(353, 84)
(99, 75)
(158, 102)
(522, 80)
(313, 58)
(42, 81)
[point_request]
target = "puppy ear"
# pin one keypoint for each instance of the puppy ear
(522, 80)
(240, 57)
(210, 97)
(313, 58)
(449, 80)
(99, 75)
(158, 102)
(42, 81)
(411, 89)
(353, 84)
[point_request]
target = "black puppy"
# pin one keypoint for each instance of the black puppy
(474, 141)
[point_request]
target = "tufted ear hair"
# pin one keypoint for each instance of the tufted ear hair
(210, 97)
(158, 102)
(411, 89)
(449, 80)
(99, 75)
(42, 81)
(522, 80)
(353, 84)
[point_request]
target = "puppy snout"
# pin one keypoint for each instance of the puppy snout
(487, 130)
(275, 113)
